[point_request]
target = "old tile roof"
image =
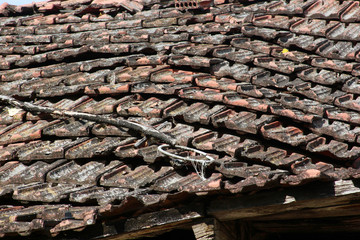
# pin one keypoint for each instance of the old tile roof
(269, 89)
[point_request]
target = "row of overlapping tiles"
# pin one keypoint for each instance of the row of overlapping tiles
(162, 80)
(164, 25)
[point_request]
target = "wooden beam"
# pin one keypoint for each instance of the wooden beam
(155, 223)
(327, 225)
(319, 195)
(212, 229)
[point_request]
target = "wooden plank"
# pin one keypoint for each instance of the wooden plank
(343, 224)
(270, 202)
(212, 229)
(322, 212)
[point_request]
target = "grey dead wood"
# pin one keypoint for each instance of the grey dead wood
(147, 131)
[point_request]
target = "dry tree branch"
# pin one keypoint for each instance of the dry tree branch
(148, 131)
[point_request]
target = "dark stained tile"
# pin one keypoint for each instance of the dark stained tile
(227, 143)
(92, 148)
(205, 141)
(60, 69)
(240, 169)
(45, 150)
(337, 65)
(123, 176)
(249, 103)
(68, 128)
(213, 183)
(352, 86)
(315, 27)
(182, 60)
(264, 180)
(20, 74)
(344, 31)
(201, 112)
(318, 92)
(123, 24)
(350, 14)
(331, 10)
(335, 148)
(104, 130)
(92, 106)
(338, 50)
(152, 107)
(162, 22)
(73, 173)
(9, 152)
(172, 75)
(290, 135)
(209, 38)
(248, 122)
(153, 88)
(348, 101)
(25, 132)
(341, 115)
(283, 66)
(45, 192)
(323, 76)
(238, 71)
(193, 49)
(146, 60)
(278, 109)
(195, 93)
(306, 105)
(11, 115)
(99, 194)
(223, 84)
(306, 42)
(288, 8)
(273, 21)
(336, 129)
(296, 56)
(17, 173)
(267, 79)
(107, 89)
(265, 33)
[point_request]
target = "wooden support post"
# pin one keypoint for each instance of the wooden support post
(212, 229)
